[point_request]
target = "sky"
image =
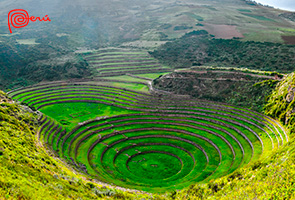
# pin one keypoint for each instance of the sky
(282, 4)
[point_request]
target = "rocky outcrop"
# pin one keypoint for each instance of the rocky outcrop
(281, 103)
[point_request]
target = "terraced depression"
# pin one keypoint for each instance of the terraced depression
(120, 130)
(147, 100)
(147, 140)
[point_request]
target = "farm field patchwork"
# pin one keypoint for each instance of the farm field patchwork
(147, 140)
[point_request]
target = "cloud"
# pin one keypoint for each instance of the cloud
(282, 4)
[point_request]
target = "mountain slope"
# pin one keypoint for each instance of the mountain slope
(90, 24)
(281, 102)
(199, 48)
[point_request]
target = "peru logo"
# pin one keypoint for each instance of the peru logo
(19, 18)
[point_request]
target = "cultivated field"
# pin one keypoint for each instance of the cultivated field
(115, 62)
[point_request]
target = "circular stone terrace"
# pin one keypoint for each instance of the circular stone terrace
(154, 143)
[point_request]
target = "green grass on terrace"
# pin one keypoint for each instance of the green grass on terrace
(130, 151)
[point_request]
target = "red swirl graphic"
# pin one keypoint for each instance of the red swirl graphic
(19, 18)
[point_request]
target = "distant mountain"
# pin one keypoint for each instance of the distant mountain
(101, 23)
(92, 24)
(197, 48)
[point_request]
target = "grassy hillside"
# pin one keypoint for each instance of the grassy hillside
(281, 102)
(76, 26)
(91, 23)
(22, 65)
(199, 48)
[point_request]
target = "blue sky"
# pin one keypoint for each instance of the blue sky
(282, 4)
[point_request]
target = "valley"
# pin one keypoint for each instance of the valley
(147, 100)
(87, 123)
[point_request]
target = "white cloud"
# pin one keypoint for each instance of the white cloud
(282, 4)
